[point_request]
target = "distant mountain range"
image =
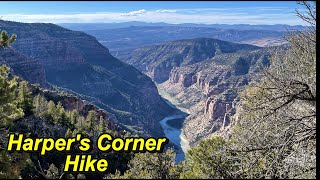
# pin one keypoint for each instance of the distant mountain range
(123, 41)
(102, 26)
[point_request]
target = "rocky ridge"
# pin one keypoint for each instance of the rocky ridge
(158, 61)
(122, 41)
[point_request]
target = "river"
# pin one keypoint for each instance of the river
(172, 126)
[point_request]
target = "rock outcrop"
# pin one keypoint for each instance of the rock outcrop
(71, 102)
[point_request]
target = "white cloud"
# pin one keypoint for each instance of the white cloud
(262, 15)
(166, 10)
(135, 13)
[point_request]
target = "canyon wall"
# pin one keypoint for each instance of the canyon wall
(205, 76)
(76, 61)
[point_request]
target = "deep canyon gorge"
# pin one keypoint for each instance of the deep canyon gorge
(194, 81)
(158, 90)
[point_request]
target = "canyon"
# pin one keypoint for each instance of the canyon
(77, 62)
(202, 76)
(205, 76)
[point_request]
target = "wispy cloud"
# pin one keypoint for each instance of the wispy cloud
(135, 13)
(257, 15)
(166, 10)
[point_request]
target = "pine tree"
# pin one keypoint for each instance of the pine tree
(150, 166)
(9, 109)
(24, 97)
(10, 164)
(73, 116)
(80, 125)
(210, 159)
(91, 118)
(60, 115)
(51, 111)
(5, 40)
(102, 125)
(40, 106)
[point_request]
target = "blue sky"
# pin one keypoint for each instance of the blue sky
(206, 12)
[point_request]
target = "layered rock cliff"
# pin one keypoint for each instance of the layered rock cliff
(212, 94)
(158, 61)
(205, 76)
(76, 61)
(27, 68)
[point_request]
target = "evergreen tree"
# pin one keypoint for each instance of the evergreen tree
(61, 115)
(211, 159)
(150, 166)
(40, 106)
(81, 125)
(10, 164)
(102, 125)
(9, 109)
(91, 119)
(51, 111)
(24, 97)
(5, 40)
(73, 116)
